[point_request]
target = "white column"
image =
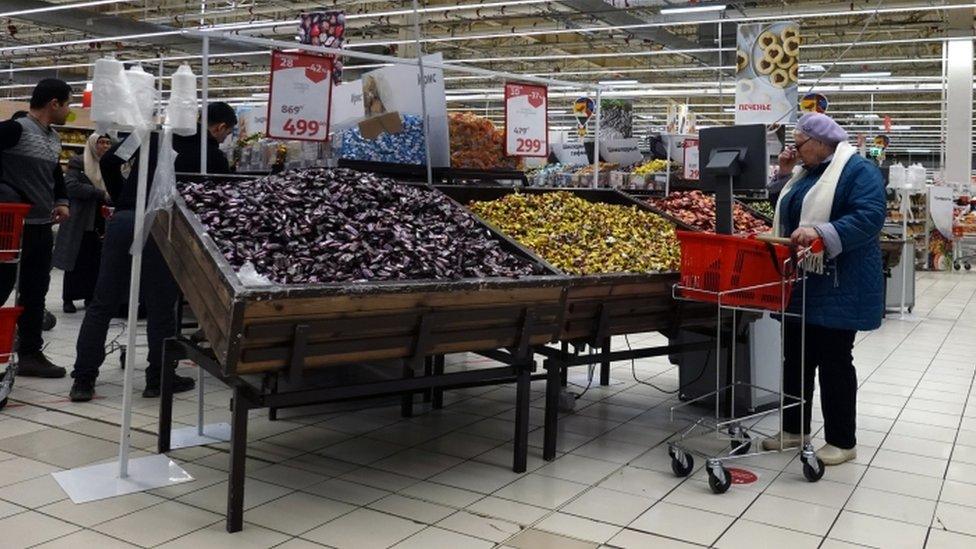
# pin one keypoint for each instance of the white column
(959, 110)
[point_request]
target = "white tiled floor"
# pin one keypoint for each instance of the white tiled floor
(360, 476)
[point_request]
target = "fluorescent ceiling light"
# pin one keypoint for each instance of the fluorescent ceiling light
(812, 68)
(728, 109)
(617, 82)
(919, 151)
(60, 7)
(880, 74)
(867, 116)
(896, 127)
(692, 9)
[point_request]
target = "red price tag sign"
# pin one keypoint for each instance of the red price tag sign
(301, 96)
(526, 120)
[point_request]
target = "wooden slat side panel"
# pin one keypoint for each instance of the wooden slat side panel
(212, 313)
(384, 354)
(331, 306)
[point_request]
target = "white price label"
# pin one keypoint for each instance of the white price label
(691, 172)
(526, 120)
(301, 95)
(571, 154)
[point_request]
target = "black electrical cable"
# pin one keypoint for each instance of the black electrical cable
(633, 372)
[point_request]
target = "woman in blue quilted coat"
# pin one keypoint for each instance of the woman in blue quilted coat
(838, 196)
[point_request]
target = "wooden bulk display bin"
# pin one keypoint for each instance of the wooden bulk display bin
(603, 305)
(254, 330)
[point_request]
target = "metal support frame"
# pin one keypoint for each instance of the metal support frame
(248, 396)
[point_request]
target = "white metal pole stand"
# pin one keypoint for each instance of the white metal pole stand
(202, 433)
(127, 476)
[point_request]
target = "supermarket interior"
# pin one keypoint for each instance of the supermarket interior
(523, 274)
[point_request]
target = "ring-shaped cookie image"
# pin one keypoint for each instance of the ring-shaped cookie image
(767, 39)
(794, 72)
(741, 61)
(792, 46)
(786, 62)
(780, 78)
(765, 66)
(774, 53)
(789, 32)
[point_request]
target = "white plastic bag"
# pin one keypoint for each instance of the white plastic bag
(163, 192)
(249, 276)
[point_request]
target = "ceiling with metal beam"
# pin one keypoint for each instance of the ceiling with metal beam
(673, 57)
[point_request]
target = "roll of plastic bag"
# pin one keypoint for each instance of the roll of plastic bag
(143, 93)
(110, 92)
(181, 113)
(897, 178)
(916, 176)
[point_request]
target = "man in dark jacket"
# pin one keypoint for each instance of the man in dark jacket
(159, 289)
(31, 173)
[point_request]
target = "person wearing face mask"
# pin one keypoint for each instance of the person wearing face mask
(159, 289)
(828, 191)
(78, 248)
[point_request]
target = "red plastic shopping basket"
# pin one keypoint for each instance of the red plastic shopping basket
(8, 324)
(718, 263)
(11, 229)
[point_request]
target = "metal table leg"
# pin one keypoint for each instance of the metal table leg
(238, 454)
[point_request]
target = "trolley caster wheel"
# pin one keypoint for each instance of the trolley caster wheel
(681, 462)
(967, 266)
(3, 404)
(719, 481)
(741, 447)
(956, 266)
(122, 359)
(813, 472)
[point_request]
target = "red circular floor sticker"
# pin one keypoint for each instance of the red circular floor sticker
(741, 476)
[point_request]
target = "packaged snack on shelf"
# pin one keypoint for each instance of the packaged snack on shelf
(477, 144)
(405, 147)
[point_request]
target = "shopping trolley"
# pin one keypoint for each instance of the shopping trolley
(11, 233)
(753, 275)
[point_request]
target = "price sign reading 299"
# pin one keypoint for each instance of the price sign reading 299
(526, 120)
(301, 96)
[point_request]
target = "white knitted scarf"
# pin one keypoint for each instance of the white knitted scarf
(820, 200)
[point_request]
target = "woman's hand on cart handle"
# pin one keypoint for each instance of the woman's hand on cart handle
(804, 236)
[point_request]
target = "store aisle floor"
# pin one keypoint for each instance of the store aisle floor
(359, 478)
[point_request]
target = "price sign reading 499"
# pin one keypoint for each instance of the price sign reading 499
(526, 120)
(301, 95)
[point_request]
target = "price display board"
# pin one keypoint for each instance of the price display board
(691, 172)
(301, 96)
(526, 120)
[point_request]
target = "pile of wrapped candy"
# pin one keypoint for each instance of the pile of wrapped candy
(551, 175)
(405, 147)
(581, 237)
(477, 144)
(323, 225)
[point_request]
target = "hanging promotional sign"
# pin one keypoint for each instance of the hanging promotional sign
(526, 120)
(814, 102)
(348, 106)
(301, 95)
(941, 209)
(398, 89)
(583, 109)
(623, 152)
(767, 71)
(571, 154)
(691, 169)
(325, 28)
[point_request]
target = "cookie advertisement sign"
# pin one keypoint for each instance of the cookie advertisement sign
(767, 70)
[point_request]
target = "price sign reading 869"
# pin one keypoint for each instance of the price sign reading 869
(526, 120)
(301, 95)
